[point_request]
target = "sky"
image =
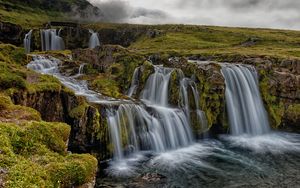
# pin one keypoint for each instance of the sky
(283, 14)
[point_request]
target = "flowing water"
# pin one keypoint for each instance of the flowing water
(50, 40)
(245, 107)
(27, 42)
(94, 40)
(154, 145)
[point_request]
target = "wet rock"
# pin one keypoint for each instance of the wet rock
(153, 177)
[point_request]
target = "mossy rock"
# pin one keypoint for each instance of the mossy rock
(34, 155)
(293, 114)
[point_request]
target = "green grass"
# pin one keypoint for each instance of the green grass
(218, 41)
(27, 17)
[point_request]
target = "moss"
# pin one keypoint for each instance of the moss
(293, 113)
(8, 80)
(5, 102)
(34, 156)
(75, 170)
(274, 107)
(15, 113)
(106, 86)
(79, 111)
(44, 83)
(174, 88)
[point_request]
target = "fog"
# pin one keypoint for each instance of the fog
(248, 13)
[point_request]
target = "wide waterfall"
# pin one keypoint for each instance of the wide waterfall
(51, 40)
(153, 141)
(94, 40)
(153, 124)
(245, 107)
(27, 42)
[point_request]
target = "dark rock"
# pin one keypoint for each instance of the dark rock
(11, 33)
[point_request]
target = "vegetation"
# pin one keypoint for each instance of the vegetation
(220, 42)
(34, 153)
(35, 13)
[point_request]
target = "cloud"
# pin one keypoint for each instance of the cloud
(122, 11)
(248, 13)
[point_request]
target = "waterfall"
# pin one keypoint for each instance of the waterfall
(245, 108)
(94, 40)
(149, 124)
(134, 82)
(27, 42)
(51, 40)
(50, 65)
(153, 124)
(156, 88)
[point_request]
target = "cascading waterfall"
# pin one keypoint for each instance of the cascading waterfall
(245, 108)
(94, 40)
(150, 125)
(27, 42)
(51, 40)
(50, 65)
(153, 124)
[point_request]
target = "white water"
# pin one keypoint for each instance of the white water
(146, 127)
(94, 40)
(134, 82)
(245, 108)
(27, 42)
(50, 65)
(154, 125)
(50, 40)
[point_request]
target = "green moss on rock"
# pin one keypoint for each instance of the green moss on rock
(34, 155)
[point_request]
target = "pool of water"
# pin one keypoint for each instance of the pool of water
(271, 160)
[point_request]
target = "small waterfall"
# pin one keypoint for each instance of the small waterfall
(51, 40)
(94, 40)
(156, 89)
(136, 126)
(245, 108)
(27, 42)
(50, 65)
(134, 82)
(185, 84)
(153, 124)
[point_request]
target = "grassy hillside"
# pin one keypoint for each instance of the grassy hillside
(34, 13)
(221, 41)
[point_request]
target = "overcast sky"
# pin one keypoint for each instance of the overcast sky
(249, 13)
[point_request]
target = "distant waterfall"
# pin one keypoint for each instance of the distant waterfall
(94, 40)
(51, 40)
(27, 42)
(154, 124)
(245, 107)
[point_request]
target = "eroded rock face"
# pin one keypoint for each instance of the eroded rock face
(11, 33)
(89, 133)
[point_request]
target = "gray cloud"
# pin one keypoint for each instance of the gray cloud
(123, 11)
(249, 13)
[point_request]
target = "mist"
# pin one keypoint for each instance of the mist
(283, 14)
